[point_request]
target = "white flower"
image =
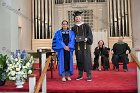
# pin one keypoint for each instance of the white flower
(19, 66)
(30, 72)
(8, 68)
(13, 73)
(17, 63)
(13, 66)
(10, 78)
(11, 57)
(16, 59)
(16, 66)
(10, 65)
(13, 78)
(24, 67)
(17, 69)
(28, 64)
(32, 61)
(25, 76)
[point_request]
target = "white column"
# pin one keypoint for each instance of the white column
(138, 72)
(32, 83)
(43, 60)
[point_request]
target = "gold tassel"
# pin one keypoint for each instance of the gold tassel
(85, 45)
(78, 47)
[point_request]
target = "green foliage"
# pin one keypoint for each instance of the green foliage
(3, 65)
(3, 60)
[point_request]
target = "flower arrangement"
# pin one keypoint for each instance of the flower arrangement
(19, 66)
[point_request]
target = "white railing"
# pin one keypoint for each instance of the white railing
(32, 79)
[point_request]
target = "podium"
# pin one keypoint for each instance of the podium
(43, 54)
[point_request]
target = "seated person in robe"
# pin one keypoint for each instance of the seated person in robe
(63, 43)
(120, 51)
(101, 56)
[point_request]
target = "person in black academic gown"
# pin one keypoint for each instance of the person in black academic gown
(84, 40)
(120, 51)
(64, 44)
(101, 56)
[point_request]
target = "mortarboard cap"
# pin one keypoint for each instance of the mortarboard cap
(77, 13)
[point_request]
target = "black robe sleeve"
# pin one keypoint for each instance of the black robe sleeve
(114, 47)
(96, 51)
(106, 52)
(73, 29)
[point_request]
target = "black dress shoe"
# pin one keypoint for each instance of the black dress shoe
(89, 78)
(79, 78)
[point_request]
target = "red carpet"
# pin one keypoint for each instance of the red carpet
(103, 82)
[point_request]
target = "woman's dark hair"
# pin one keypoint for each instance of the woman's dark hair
(63, 22)
(102, 41)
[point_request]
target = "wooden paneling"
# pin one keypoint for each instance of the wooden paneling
(41, 43)
(113, 40)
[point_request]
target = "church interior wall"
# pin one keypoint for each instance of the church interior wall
(135, 15)
(25, 24)
(15, 24)
(6, 26)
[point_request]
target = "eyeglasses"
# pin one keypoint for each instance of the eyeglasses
(64, 24)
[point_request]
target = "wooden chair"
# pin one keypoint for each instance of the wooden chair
(119, 63)
(53, 64)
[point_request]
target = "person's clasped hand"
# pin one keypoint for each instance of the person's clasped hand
(67, 48)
